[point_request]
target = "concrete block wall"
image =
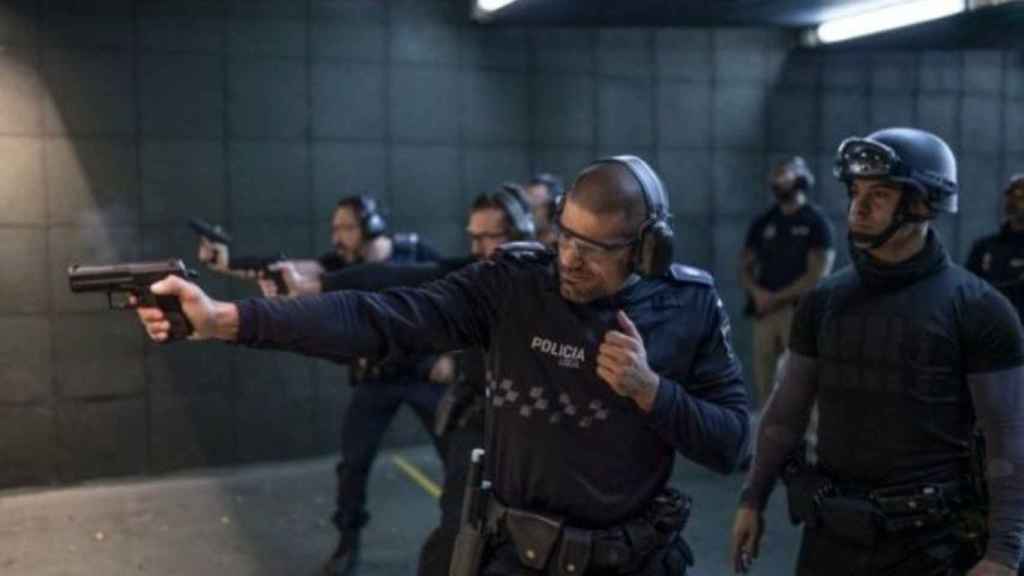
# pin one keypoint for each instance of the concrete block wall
(119, 120)
(713, 109)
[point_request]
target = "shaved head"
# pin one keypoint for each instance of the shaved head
(610, 190)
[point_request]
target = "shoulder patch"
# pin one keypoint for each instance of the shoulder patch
(524, 252)
(690, 275)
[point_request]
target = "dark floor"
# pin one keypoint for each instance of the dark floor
(273, 520)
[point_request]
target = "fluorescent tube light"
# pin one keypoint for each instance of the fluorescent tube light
(492, 5)
(888, 18)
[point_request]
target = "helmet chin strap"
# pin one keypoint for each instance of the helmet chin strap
(899, 218)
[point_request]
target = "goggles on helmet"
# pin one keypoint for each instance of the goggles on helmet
(866, 158)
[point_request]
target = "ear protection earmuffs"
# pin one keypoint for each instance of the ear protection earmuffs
(372, 222)
(653, 254)
(510, 196)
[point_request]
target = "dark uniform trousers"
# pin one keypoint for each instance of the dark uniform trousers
(367, 418)
(932, 552)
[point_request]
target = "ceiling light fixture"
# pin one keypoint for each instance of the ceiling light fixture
(883, 19)
(492, 5)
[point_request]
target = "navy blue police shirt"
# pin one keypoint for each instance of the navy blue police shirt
(999, 259)
(780, 243)
(561, 441)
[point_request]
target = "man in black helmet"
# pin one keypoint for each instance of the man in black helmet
(999, 258)
(605, 361)
(905, 353)
(788, 249)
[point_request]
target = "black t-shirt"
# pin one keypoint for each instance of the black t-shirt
(781, 242)
(894, 405)
(331, 261)
(999, 259)
(562, 441)
(407, 249)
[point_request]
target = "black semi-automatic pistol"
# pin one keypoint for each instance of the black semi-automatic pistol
(134, 278)
(209, 231)
(259, 264)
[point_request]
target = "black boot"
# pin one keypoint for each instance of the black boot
(345, 559)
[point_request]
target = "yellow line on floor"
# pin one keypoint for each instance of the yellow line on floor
(417, 475)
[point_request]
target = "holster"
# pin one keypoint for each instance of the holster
(856, 520)
(805, 489)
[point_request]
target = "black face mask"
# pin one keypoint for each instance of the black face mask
(1014, 210)
(785, 195)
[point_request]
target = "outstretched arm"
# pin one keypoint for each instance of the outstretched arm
(452, 313)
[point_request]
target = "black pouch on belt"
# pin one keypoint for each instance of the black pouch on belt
(533, 535)
(574, 553)
(856, 520)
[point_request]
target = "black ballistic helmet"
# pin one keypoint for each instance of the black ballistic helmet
(919, 160)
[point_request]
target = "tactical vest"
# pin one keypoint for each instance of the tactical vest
(893, 399)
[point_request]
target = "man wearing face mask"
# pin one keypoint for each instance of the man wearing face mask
(906, 354)
(788, 249)
(606, 360)
(999, 258)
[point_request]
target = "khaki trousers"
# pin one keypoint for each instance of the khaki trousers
(771, 337)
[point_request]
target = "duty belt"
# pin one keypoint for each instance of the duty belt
(862, 514)
(539, 539)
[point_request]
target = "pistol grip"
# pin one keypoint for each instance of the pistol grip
(181, 327)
